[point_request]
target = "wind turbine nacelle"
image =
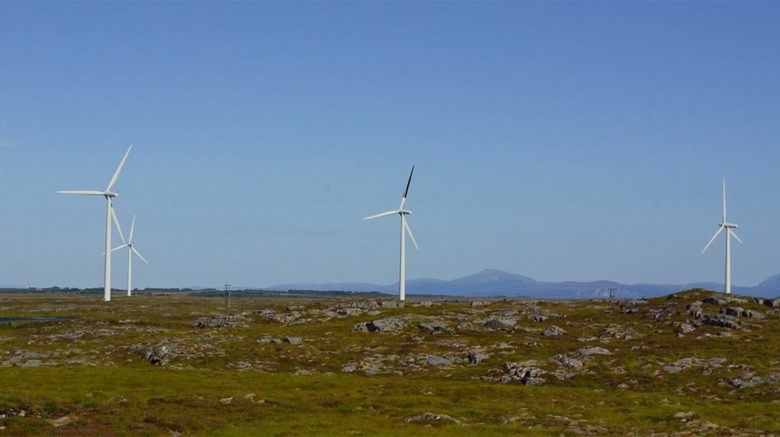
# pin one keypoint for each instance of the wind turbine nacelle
(110, 194)
(404, 211)
(729, 225)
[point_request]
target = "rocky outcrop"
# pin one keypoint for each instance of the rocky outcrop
(522, 372)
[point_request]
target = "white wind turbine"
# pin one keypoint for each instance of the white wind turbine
(404, 229)
(110, 215)
(729, 233)
(130, 251)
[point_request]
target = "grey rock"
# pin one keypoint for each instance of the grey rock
(349, 312)
(477, 357)
(293, 340)
(720, 320)
(754, 314)
(435, 327)
(501, 323)
(430, 418)
(389, 324)
(566, 361)
(672, 368)
(438, 361)
(552, 331)
(715, 300)
(537, 318)
(772, 303)
(732, 311)
(386, 324)
(747, 380)
(528, 375)
(159, 354)
(588, 351)
(221, 321)
(694, 309)
(685, 328)
(360, 327)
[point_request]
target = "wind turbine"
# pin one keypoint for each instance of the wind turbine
(729, 233)
(110, 215)
(130, 251)
(404, 230)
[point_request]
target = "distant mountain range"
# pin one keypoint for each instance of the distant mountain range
(491, 282)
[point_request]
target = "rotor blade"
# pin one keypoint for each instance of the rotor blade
(116, 223)
(381, 214)
(135, 251)
(132, 228)
(409, 231)
(406, 191)
(734, 234)
(408, 183)
(116, 248)
(724, 200)
(83, 192)
(713, 239)
(119, 169)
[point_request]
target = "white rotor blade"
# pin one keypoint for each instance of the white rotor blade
(734, 234)
(83, 192)
(713, 239)
(406, 191)
(116, 223)
(409, 231)
(119, 169)
(724, 200)
(132, 228)
(381, 214)
(135, 251)
(116, 248)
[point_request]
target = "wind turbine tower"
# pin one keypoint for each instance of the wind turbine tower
(729, 227)
(110, 215)
(405, 229)
(131, 250)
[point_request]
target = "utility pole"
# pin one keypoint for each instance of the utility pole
(227, 295)
(612, 292)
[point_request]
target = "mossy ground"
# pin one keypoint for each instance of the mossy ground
(117, 392)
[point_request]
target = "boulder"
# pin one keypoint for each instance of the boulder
(522, 372)
(501, 323)
(694, 309)
(552, 331)
(772, 303)
(438, 361)
(588, 351)
(221, 321)
(685, 328)
(720, 320)
(566, 361)
(715, 300)
(430, 418)
(159, 354)
(435, 327)
(477, 357)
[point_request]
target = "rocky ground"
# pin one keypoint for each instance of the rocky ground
(693, 363)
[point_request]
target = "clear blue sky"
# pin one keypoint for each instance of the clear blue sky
(564, 141)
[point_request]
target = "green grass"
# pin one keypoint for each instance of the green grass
(125, 395)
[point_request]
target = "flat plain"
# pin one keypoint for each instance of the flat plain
(692, 363)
